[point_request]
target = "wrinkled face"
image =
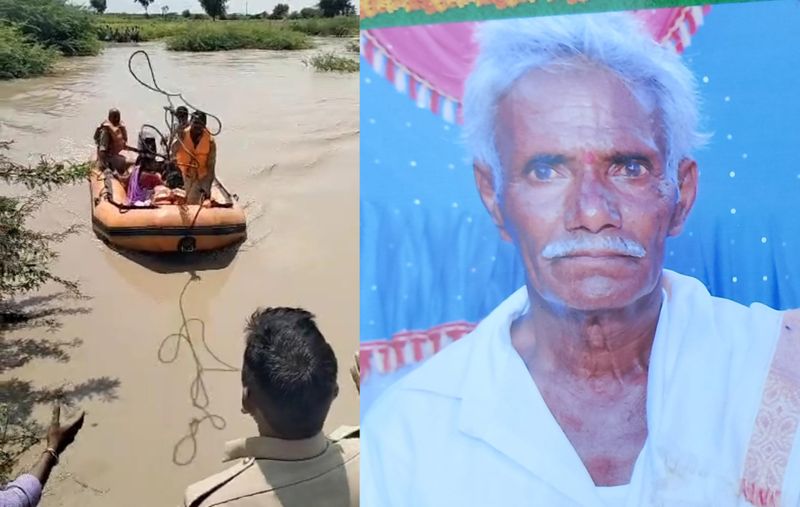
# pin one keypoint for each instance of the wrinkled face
(585, 195)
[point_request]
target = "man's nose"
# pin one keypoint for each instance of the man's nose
(592, 205)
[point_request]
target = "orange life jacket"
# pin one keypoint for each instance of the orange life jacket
(193, 160)
(119, 136)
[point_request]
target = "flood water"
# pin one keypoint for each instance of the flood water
(289, 149)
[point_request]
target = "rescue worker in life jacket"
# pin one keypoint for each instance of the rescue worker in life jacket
(112, 138)
(196, 157)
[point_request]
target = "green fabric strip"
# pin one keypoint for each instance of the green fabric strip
(473, 12)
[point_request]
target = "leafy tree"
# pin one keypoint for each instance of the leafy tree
(53, 23)
(26, 254)
(145, 4)
(98, 5)
(186, 13)
(309, 12)
(215, 8)
(332, 8)
(164, 10)
(280, 11)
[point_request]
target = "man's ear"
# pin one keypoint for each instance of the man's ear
(687, 188)
(246, 402)
(487, 188)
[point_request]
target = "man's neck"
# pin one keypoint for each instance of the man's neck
(588, 346)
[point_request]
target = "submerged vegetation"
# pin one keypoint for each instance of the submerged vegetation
(328, 61)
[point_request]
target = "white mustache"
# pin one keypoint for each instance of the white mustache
(590, 244)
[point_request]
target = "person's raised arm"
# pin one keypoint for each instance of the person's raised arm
(26, 490)
(58, 439)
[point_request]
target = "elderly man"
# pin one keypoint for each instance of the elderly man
(289, 382)
(606, 380)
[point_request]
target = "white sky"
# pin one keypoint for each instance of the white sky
(253, 6)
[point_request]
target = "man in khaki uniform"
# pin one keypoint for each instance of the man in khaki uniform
(289, 382)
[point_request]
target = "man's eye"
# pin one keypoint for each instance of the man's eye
(542, 172)
(630, 169)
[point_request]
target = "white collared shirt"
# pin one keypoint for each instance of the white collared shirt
(470, 428)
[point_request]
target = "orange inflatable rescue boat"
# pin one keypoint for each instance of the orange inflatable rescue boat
(217, 223)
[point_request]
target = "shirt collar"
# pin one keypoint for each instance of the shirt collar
(276, 448)
(502, 406)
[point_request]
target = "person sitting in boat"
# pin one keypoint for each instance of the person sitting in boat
(111, 138)
(145, 176)
(196, 156)
(171, 190)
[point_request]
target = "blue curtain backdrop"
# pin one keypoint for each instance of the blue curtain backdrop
(430, 254)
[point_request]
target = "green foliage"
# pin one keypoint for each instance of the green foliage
(19, 57)
(214, 8)
(329, 61)
(341, 26)
(237, 35)
(128, 28)
(332, 8)
(124, 33)
(25, 254)
(53, 23)
(186, 14)
(98, 5)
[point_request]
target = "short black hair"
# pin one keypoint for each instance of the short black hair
(172, 176)
(200, 116)
(292, 369)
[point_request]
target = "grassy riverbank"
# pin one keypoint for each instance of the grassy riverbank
(128, 28)
(237, 35)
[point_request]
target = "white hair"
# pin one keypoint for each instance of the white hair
(509, 49)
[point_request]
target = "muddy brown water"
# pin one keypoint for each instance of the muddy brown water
(289, 149)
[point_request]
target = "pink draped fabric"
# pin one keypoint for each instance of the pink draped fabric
(439, 57)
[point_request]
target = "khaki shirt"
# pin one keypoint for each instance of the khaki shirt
(319, 471)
